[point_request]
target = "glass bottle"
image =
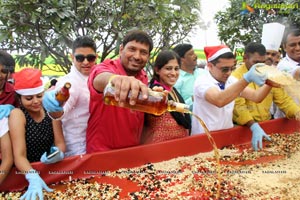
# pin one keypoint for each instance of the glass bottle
(63, 94)
(156, 104)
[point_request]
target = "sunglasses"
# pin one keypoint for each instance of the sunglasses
(89, 57)
(225, 70)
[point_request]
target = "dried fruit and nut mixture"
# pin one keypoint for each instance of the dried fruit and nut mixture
(272, 173)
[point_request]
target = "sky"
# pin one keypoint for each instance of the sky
(201, 38)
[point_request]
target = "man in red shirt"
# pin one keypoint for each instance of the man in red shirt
(7, 103)
(7, 93)
(111, 127)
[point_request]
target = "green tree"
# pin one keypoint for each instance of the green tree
(237, 26)
(40, 29)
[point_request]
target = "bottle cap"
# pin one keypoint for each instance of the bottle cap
(67, 85)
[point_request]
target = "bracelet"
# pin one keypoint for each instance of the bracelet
(112, 77)
(59, 118)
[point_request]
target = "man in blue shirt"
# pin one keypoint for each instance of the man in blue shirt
(188, 72)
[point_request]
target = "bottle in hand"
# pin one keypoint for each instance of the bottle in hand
(156, 104)
(61, 95)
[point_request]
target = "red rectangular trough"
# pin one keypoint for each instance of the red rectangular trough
(85, 165)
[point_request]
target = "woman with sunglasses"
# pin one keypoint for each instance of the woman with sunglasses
(75, 112)
(170, 125)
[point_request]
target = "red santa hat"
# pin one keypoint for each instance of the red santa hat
(212, 52)
(28, 81)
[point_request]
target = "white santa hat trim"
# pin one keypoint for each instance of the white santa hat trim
(31, 91)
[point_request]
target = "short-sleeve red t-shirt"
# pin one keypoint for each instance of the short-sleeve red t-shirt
(8, 95)
(111, 127)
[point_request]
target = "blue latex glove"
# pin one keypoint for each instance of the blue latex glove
(36, 186)
(254, 76)
(54, 159)
(257, 135)
(5, 110)
(50, 103)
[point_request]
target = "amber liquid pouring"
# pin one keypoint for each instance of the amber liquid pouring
(216, 152)
(157, 107)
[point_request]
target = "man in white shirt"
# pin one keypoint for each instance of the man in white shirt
(272, 35)
(291, 45)
(290, 63)
(271, 38)
(214, 93)
(76, 109)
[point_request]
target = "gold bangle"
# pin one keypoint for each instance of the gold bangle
(111, 78)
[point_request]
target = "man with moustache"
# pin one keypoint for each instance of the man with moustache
(188, 72)
(291, 45)
(114, 127)
(271, 38)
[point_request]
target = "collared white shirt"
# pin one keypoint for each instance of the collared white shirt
(76, 112)
(214, 117)
(288, 65)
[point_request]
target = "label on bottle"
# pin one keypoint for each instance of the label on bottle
(63, 94)
(180, 107)
(155, 93)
